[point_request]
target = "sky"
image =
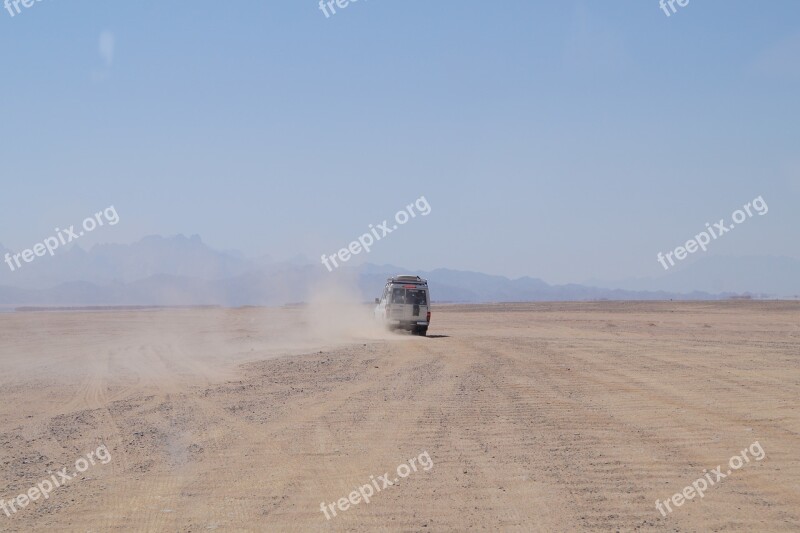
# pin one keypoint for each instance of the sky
(567, 140)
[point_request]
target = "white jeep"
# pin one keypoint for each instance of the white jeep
(405, 304)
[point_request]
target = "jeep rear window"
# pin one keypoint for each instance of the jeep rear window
(416, 297)
(409, 296)
(398, 296)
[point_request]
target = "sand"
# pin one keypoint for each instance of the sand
(535, 417)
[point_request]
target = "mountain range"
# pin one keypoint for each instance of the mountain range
(183, 270)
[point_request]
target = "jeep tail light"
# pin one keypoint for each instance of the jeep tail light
(429, 316)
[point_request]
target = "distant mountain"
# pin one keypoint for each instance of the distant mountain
(283, 284)
(125, 263)
(765, 275)
(463, 286)
(182, 270)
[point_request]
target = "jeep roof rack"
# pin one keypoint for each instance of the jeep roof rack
(407, 279)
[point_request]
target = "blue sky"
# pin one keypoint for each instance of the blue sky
(562, 140)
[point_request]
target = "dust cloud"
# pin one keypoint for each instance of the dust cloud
(174, 348)
(337, 313)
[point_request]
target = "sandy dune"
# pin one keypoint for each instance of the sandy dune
(536, 417)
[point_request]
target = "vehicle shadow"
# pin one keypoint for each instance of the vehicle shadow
(437, 336)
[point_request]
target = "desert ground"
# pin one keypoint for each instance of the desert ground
(527, 417)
